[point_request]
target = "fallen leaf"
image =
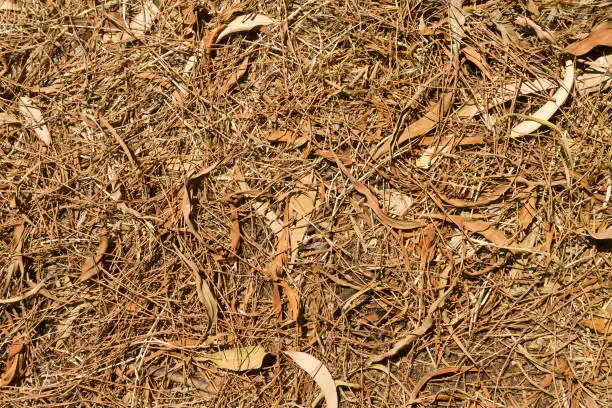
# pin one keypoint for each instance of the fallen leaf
(245, 22)
(457, 18)
(483, 228)
(10, 5)
(491, 197)
(527, 212)
(274, 269)
(600, 35)
(286, 136)
(541, 33)
(472, 55)
(292, 297)
(319, 372)
(235, 235)
(421, 126)
(15, 363)
(532, 8)
(604, 235)
(301, 207)
(237, 359)
(597, 77)
(438, 372)
(16, 263)
(509, 91)
(372, 202)
(205, 295)
(6, 119)
(90, 267)
(432, 154)
(549, 108)
(599, 324)
(34, 118)
(142, 22)
(233, 80)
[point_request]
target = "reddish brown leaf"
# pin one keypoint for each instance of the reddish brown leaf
(421, 126)
(603, 235)
(235, 231)
(493, 196)
(90, 267)
(600, 35)
(237, 76)
(527, 212)
(599, 324)
(15, 364)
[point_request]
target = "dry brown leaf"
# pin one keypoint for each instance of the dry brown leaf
(603, 235)
(491, 197)
(527, 212)
(186, 208)
(549, 108)
(472, 55)
(600, 35)
(301, 207)
(533, 8)
(16, 263)
(599, 324)
(245, 22)
(6, 119)
(319, 372)
(90, 267)
(33, 117)
(293, 298)
(235, 236)
(372, 202)
(457, 18)
(237, 76)
(15, 364)
(237, 359)
(287, 136)
(274, 270)
(205, 295)
(483, 228)
(541, 33)
(421, 126)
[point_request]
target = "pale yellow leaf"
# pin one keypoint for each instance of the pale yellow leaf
(319, 372)
(237, 359)
(245, 22)
(549, 108)
(33, 117)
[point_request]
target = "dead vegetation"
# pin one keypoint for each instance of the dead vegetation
(381, 203)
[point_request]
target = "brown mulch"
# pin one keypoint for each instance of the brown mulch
(184, 186)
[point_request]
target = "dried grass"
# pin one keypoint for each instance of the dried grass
(155, 227)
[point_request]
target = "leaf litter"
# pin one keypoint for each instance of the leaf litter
(383, 185)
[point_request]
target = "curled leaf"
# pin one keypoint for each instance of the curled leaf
(245, 22)
(237, 76)
(549, 108)
(237, 359)
(319, 372)
(600, 35)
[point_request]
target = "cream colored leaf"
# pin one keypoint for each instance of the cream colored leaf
(237, 359)
(245, 22)
(541, 33)
(10, 5)
(598, 77)
(549, 108)
(144, 20)
(33, 117)
(319, 373)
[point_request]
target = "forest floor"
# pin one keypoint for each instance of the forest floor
(291, 203)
